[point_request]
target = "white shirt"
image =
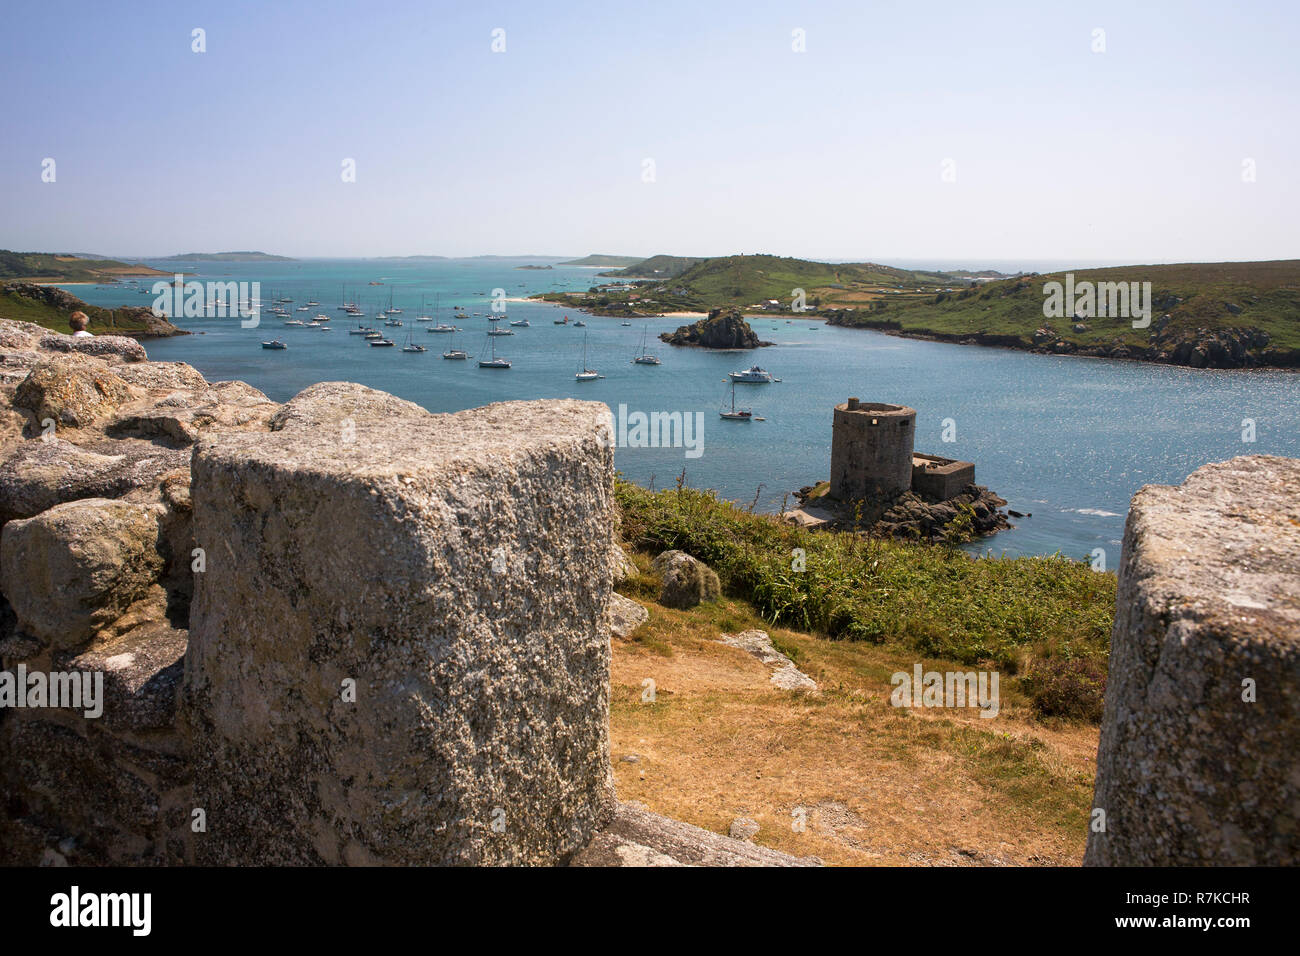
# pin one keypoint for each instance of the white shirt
(82, 334)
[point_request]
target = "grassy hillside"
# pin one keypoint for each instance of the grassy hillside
(51, 267)
(1202, 301)
(50, 307)
(744, 281)
(596, 259)
(656, 267)
(1046, 619)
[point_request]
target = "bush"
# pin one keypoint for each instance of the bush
(1069, 687)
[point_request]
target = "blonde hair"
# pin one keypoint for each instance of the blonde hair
(78, 321)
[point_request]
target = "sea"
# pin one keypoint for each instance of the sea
(1066, 441)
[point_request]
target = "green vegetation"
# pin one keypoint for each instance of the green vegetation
(50, 307)
(1014, 614)
(595, 259)
(1198, 298)
(51, 267)
(683, 284)
(656, 267)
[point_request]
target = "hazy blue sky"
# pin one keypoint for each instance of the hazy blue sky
(1134, 154)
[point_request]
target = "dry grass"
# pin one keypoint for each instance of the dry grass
(878, 784)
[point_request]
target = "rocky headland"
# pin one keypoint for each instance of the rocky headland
(52, 303)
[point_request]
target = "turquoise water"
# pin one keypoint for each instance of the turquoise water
(1068, 439)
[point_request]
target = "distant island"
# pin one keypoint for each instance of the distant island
(543, 268)
(226, 257)
(609, 262)
(656, 267)
(64, 267)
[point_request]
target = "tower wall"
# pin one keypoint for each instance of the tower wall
(871, 449)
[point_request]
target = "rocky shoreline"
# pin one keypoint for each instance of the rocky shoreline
(973, 513)
(1202, 348)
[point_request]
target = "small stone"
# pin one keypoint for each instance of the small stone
(742, 828)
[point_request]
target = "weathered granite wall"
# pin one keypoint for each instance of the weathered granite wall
(454, 568)
(1198, 762)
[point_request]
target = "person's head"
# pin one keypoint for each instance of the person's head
(78, 321)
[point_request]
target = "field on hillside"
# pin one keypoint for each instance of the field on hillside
(1196, 296)
(47, 267)
(753, 280)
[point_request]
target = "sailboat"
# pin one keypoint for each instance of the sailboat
(390, 310)
(453, 352)
(493, 362)
(586, 374)
(410, 346)
(422, 317)
(645, 358)
(736, 415)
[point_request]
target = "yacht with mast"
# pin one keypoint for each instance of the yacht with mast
(736, 415)
(493, 362)
(645, 358)
(586, 374)
(454, 353)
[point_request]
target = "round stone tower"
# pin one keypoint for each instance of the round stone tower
(871, 449)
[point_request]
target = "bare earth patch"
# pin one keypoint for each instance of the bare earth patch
(839, 774)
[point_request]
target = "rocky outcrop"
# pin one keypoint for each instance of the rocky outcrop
(42, 473)
(1197, 763)
(71, 392)
(723, 329)
(758, 644)
(974, 512)
(638, 838)
(625, 615)
(74, 571)
(686, 581)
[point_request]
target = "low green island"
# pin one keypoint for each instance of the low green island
(1201, 315)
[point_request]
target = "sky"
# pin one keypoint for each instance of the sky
(900, 131)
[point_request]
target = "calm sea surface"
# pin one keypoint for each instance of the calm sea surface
(1068, 439)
